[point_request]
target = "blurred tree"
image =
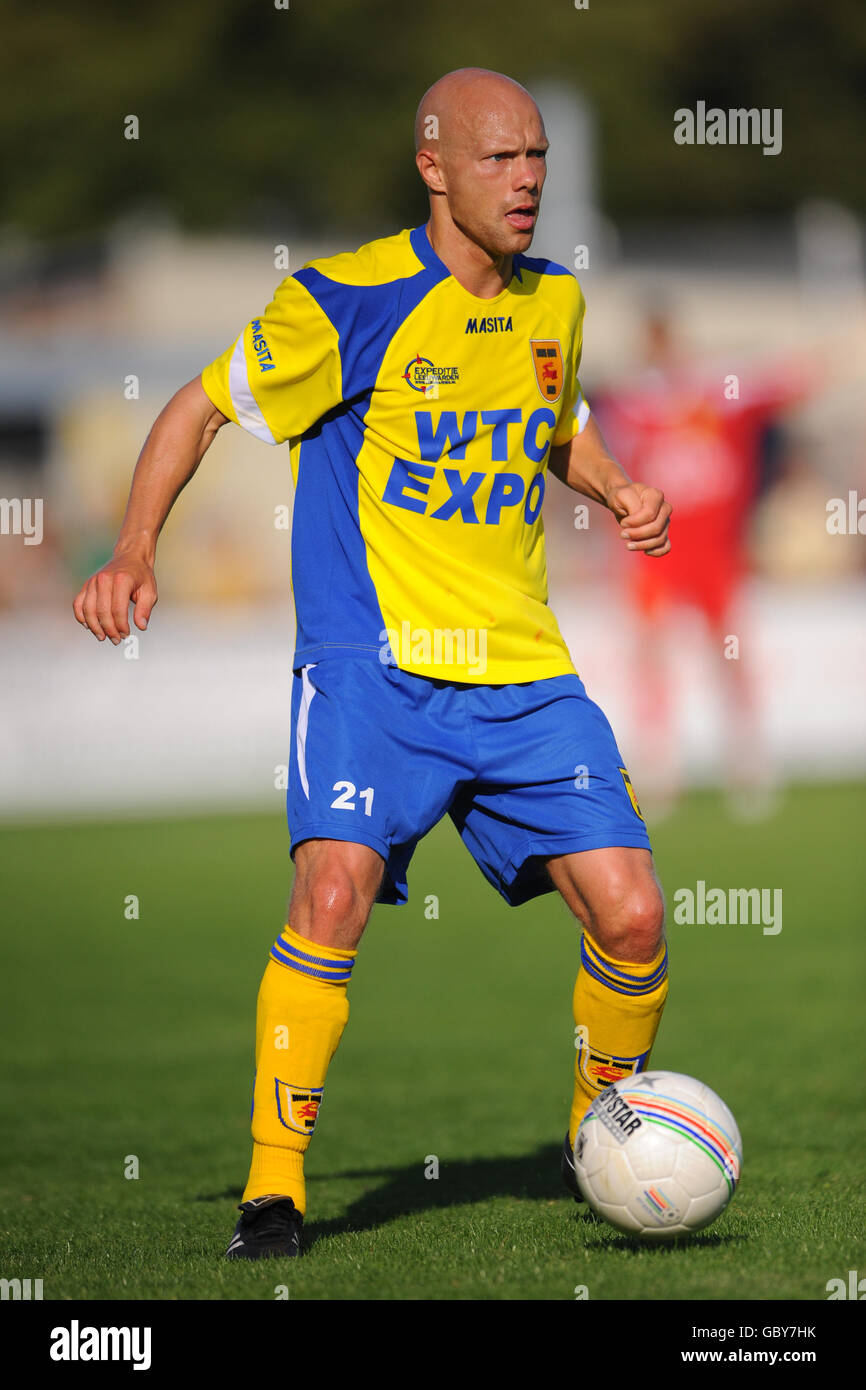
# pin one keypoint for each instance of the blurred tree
(253, 116)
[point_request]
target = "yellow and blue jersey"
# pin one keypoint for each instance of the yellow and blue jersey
(420, 420)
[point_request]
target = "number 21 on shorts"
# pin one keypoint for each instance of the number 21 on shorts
(344, 801)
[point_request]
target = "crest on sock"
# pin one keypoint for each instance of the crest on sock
(298, 1106)
(601, 1069)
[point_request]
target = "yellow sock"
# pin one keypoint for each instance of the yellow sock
(617, 1010)
(301, 1013)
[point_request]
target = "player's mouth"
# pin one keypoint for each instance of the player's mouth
(522, 218)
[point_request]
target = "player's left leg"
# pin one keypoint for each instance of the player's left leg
(553, 807)
(623, 980)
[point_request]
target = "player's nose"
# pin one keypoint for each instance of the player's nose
(525, 174)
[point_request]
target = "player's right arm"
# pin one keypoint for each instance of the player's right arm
(275, 380)
(176, 445)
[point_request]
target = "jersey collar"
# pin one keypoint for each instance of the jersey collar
(420, 243)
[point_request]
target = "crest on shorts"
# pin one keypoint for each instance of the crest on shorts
(601, 1069)
(298, 1106)
(549, 372)
(631, 793)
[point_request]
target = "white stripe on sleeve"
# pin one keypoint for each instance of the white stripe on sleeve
(243, 400)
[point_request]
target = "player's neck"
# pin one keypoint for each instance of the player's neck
(476, 270)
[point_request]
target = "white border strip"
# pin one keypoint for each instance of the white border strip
(582, 412)
(243, 400)
(303, 721)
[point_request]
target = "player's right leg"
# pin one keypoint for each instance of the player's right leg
(373, 767)
(301, 1012)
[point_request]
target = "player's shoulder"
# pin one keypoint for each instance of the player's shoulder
(378, 262)
(554, 282)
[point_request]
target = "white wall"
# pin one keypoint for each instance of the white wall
(201, 719)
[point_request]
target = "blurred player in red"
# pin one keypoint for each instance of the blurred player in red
(702, 435)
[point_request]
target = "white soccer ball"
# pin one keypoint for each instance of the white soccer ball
(658, 1155)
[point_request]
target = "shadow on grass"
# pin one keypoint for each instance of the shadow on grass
(630, 1245)
(396, 1192)
(533, 1176)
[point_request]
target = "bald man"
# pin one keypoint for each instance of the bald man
(427, 386)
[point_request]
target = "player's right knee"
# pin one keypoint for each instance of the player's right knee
(637, 927)
(329, 906)
(335, 898)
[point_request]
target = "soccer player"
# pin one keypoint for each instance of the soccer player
(676, 423)
(428, 386)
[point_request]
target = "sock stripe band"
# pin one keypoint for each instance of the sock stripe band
(283, 940)
(319, 967)
(619, 980)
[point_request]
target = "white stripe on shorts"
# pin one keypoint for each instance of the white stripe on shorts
(309, 691)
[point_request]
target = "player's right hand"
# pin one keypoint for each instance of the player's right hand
(102, 605)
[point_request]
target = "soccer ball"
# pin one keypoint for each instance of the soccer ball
(658, 1155)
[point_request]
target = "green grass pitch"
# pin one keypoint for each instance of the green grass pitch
(134, 1037)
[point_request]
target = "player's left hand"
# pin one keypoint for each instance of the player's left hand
(643, 516)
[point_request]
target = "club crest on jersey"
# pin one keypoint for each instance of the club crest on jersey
(421, 375)
(547, 361)
(298, 1106)
(631, 793)
(601, 1069)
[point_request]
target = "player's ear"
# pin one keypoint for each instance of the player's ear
(428, 167)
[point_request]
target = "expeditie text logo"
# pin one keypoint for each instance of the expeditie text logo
(421, 375)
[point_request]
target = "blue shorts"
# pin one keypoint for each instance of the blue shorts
(527, 771)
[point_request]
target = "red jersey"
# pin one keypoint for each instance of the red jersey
(677, 431)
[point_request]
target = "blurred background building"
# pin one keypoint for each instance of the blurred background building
(181, 160)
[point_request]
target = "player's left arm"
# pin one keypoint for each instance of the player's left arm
(586, 465)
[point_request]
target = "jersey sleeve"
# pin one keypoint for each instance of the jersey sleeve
(283, 372)
(575, 409)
